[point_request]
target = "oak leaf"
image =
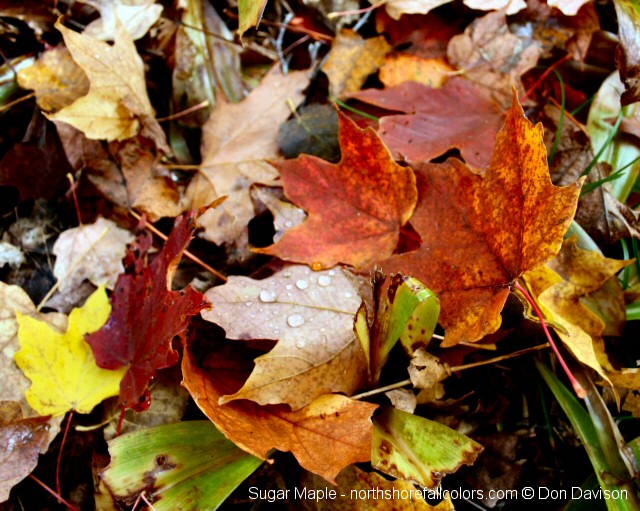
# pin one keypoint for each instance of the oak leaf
(331, 424)
(117, 103)
(458, 115)
(356, 207)
(147, 315)
(63, 372)
(93, 252)
(481, 231)
(311, 316)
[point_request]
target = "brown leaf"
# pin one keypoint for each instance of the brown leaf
(311, 316)
(352, 59)
(628, 53)
(331, 424)
(356, 208)
(482, 231)
(494, 57)
(459, 115)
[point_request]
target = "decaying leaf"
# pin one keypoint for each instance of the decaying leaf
(117, 102)
(356, 207)
(352, 59)
(190, 465)
(426, 370)
(331, 424)
(136, 16)
(311, 316)
(458, 115)
(627, 58)
(418, 450)
(147, 315)
(63, 372)
(93, 252)
(481, 231)
(21, 441)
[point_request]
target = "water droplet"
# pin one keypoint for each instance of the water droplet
(332, 272)
(286, 274)
(288, 223)
(300, 343)
(248, 304)
(316, 266)
(295, 320)
(323, 329)
(267, 296)
(302, 284)
(288, 286)
(348, 294)
(324, 280)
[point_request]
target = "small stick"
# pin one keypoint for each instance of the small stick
(190, 110)
(336, 14)
(64, 439)
(60, 499)
(75, 196)
(186, 252)
(17, 101)
(544, 76)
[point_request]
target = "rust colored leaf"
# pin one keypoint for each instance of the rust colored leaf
(356, 208)
(459, 115)
(481, 231)
(147, 315)
(325, 436)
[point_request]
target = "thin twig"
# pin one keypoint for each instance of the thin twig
(75, 196)
(17, 101)
(60, 499)
(190, 110)
(64, 439)
(186, 252)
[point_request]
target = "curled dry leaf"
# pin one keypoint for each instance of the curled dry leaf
(136, 16)
(21, 441)
(356, 207)
(311, 316)
(482, 231)
(352, 59)
(331, 424)
(627, 56)
(93, 252)
(459, 115)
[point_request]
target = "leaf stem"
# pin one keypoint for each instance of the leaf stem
(578, 389)
(60, 499)
(64, 440)
(544, 76)
(190, 110)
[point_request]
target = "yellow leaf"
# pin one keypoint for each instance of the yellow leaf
(61, 366)
(117, 100)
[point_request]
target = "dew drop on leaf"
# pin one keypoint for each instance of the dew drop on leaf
(295, 320)
(300, 343)
(324, 280)
(267, 296)
(302, 284)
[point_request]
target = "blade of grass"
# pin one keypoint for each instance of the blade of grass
(633, 311)
(596, 158)
(590, 187)
(624, 278)
(556, 141)
(578, 109)
(342, 104)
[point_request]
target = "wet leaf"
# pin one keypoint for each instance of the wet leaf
(481, 231)
(331, 424)
(311, 316)
(418, 450)
(63, 372)
(188, 466)
(356, 207)
(147, 315)
(93, 252)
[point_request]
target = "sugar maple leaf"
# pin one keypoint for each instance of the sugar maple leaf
(63, 372)
(481, 231)
(356, 208)
(325, 436)
(458, 115)
(147, 315)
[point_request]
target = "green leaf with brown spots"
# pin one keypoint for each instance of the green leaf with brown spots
(418, 450)
(187, 466)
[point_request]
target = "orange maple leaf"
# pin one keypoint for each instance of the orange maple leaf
(481, 230)
(356, 208)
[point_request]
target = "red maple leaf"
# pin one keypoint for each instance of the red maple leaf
(147, 315)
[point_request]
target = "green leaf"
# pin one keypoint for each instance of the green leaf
(186, 466)
(418, 450)
(249, 12)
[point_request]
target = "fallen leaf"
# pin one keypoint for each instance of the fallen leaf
(355, 207)
(405, 67)
(228, 223)
(189, 465)
(361, 491)
(568, 7)
(331, 424)
(117, 103)
(313, 131)
(311, 316)
(494, 57)
(136, 17)
(247, 131)
(402, 399)
(396, 8)
(285, 214)
(93, 252)
(147, 315)
(459, 115)
(480, 232)
(249, 14)
(426, 370)
(11, 255)
(627, 59)
(351, 60)
(63, 372)
(55, 78)
(418, 450)
(21, 441)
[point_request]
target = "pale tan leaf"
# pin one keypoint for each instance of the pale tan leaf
(137, 17)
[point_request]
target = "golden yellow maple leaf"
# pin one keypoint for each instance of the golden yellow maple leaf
(61, 366)
(117, 102)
